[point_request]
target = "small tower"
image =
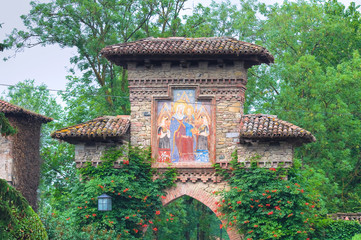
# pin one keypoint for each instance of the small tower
(19, 154)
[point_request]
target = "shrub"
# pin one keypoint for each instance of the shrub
(136, 199)
(357, 237)
(17, 218)
(336, 229)
(268, 203)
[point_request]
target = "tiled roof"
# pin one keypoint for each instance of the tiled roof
(11, 109)
(260, 126)
(188, 46)
(106, 127)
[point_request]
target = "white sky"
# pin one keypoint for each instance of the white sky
(49, 64)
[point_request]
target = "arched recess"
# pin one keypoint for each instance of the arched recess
(202, 192)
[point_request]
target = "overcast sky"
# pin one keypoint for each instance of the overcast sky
(49, 64)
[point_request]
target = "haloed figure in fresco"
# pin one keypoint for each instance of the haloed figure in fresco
(164, 139)
(183, 129)
(182, 138)
(202, 142)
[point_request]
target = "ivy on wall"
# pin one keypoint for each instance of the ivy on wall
(5, 128)
(136, 199)
(269, 203)
(17, 218)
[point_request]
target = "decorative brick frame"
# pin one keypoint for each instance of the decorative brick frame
(170, 97)
(202, 195)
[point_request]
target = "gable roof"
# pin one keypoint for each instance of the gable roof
(181, 46)
(10, 109)
(101, 128)
(268, 127)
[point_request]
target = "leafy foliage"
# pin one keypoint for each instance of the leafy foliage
(269, 203)
(135, 196)
(336, 229)
(186, 218)
(17, 218)
(5, 128)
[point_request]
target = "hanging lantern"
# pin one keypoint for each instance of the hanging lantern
(104, 203)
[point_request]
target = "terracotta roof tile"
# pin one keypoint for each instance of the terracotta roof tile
(261, 126)
(106, 127)
(12, 109)
(188, 46)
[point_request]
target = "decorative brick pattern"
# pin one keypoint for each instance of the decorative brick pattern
(193, 175)
(203, 192)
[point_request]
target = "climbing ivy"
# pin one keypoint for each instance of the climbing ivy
(268, 203)
(5, 127)
(17, 218)
(136, 198)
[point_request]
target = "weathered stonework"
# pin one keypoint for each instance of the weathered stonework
(93, 151)
(267, 154)
(165, 75)
(19, 154)
(6, 160)
(225, 85)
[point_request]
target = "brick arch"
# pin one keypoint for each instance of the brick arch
(202, 192)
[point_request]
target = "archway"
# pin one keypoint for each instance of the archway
(205, 194)
(188, 219)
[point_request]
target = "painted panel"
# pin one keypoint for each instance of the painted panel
(183, 128)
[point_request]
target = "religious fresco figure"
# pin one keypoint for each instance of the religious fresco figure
(188, 141)
(164, 139)
(183, 129)
(202, 141)
(177, 129)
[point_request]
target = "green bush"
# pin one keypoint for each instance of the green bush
(267, 203)
(357, 237)
(136, 199)
(17, 219)
(329, 229)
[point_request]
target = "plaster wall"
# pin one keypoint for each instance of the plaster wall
(6, 160)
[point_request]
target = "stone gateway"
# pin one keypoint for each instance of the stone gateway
(187, 97)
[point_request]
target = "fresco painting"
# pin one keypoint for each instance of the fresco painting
(183, 128)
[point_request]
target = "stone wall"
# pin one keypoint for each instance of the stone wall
(187, 70)
(93, 151)
(6, 160)
(267, 154)
(223, 83)
(26, 157)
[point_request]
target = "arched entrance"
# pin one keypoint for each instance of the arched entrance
(203, 192)
(190, 219)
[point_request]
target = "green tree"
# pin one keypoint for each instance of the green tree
(17, 219)
(89, 26)
(313, 84)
